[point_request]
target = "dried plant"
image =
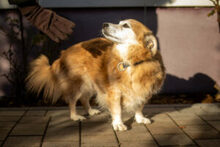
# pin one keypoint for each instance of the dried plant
(20, 49)
(216, 10)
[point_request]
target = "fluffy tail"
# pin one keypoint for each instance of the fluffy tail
(42, 77)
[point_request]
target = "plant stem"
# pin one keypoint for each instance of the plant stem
(23, 48)
(218, 14)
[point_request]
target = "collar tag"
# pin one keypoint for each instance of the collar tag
(122, 66)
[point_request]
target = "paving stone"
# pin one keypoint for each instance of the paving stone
(5, 127)
(139, 131)
(161, 118)
(211, 108)
(181, 114)
(164, 128)
(97, 131)
(65, 112)
(60, 108)
(34, 120)
(158, 110)
(103, 117)
(61, 144)
(60, 134)
(204, 135)
(129, 136)
(191, 111)
(210, 116)
(9, 118)
(208, 143)
(11, 113)
(36, 113)
(215, 124)
(98, 128)
(189, 121)
(182, 145)
(147, 143)
(62, 121)
(109, 144)
(61, 118)
(182, 120)
(13, 108)
(29, 129)
(39, 108)
(137, 128)
(4, 132)
(99, 139)
(177, 139)
(57, 113)
(201, 132)
(21, 141)
(194, 109)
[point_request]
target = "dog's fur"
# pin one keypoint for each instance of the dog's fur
(92, 67)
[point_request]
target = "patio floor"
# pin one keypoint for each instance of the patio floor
(173, 125)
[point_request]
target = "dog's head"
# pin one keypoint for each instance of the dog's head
(130, 31)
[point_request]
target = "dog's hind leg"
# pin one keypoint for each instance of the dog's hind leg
(85, 102)
(72, 104)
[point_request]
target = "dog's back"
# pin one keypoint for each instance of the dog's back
(71, 73)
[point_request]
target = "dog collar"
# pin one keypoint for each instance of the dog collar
(122, 66)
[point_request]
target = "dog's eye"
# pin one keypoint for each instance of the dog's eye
(125, 25)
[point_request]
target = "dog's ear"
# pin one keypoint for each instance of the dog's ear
(150, 42)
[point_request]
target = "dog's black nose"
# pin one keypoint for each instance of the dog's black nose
(105, 25)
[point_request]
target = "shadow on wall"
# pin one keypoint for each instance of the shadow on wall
(199, 83)
(15, 54)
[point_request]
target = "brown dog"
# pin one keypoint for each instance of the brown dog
(124, 69)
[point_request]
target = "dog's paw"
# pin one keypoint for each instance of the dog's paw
(142, 119)
(93, 112)
(77, 117)
(119, 126)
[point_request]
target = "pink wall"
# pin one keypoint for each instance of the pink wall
(190, 44)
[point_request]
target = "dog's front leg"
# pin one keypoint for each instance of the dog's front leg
(115, 110)
(139, 117)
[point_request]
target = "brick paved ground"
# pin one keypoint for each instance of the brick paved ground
(173, 125)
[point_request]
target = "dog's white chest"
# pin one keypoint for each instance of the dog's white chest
(123, 50)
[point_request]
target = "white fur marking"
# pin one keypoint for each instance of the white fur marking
(118, 124)
(93, 111)
(141, 119)
(123, 50)
(76, 117)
